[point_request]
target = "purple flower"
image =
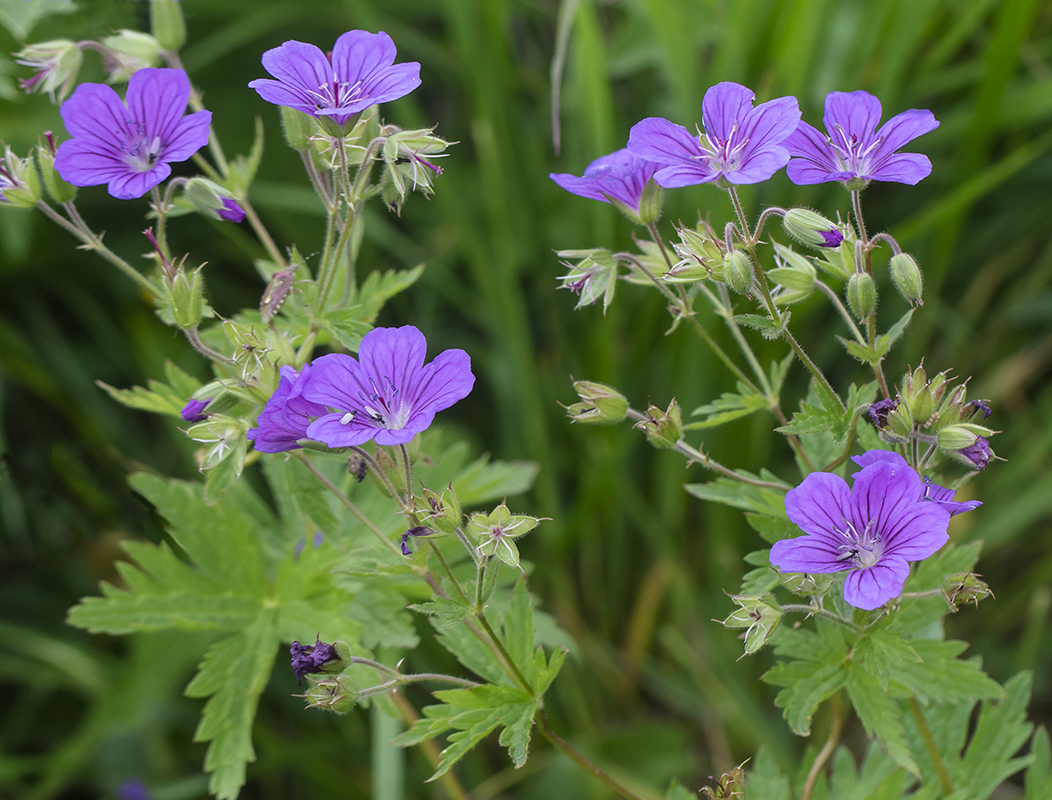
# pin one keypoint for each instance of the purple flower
(361, 72)
(231, 210)
(855, 152)
(740, 144)
(932, 491)
(388, 393)
(618, 178)
(129, 146)
(974, 407)
(284, 420)
(311, 658)
(870, 531)
(193, 410)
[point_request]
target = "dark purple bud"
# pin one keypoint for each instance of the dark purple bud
(311, 658)
(978, 455)
(193, 411)
(420, 531)
(879, 411)
(974, 407)
(832, 238)
(231, 211)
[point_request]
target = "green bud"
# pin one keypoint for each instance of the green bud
(338, 694)
(955, 437)
(663, 428)
(212, 200)
(59, 190)
(56, 63)
(906, 276)
(600, 404)
(186, 295)
(759, 615)
(812, 229)
(738, 271)
(966, 587)
(700, 257)
(167, 24)
(128, 52)
(861, 295)
(444, 509)
(19, 183)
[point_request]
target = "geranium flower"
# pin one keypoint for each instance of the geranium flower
(870, 531)
(359, 73)
(618, 178)
(284, 420)
(130, 146)
(932, 491)
(855, 152)
(740, 144)
(387, 393)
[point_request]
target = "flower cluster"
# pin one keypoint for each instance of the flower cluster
(742, 144)
(388, 394)
(889, 517)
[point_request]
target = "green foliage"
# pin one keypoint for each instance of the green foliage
(729, 407)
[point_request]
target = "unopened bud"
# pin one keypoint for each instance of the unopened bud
(129, 51)
(956, 437)
(811, 229)
(649, 203)
(906, 276)
(663, 428)
(187, 301)
(966, 587)
(977, 455)
(60, 190)
(212, 200)
(167, 24)
(444, 509)
(737, 269)
(298, 128)
(338, 695)
(600, 404)
(861, 295)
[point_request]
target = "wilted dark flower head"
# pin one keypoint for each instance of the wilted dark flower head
(311, 658)
(878, 412)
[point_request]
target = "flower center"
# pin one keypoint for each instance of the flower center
(382, 406)
(725, 156)
(853, 155)
(861, 548)
(140, 152)
(336, 94)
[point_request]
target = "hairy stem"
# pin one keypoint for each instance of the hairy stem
(194, 338)
(545, 728)
(931, 746)
(836, 724)
(822, 612)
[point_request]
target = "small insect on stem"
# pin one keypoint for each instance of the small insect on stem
(277, 292)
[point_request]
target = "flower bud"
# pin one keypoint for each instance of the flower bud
(600, 404)
(339, 695)
(19, 184)
(956, 437)
(976, 456)
(167, 24)
(700, 257)
(966, 587)
(60, 190)
(187, 302)
(56, 62)
(129, 51)
(906, 276)
(592, 277)
(212, 200)
(663, 428)
(444, 509)
(861, 295)
(811, 229)
(737, 269)
(759, 615)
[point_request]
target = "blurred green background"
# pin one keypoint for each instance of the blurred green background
(631, 565)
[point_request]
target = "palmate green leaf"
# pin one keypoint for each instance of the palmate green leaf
(937, 675)
(1000, 733)
(807, 684)
(233, 675)
(772, 528)
(883, 653)
(741, 495)
(879, 778)
(470, 651)
(727, 408)
(483, 480)
(159, 398)
(880, 715)
(518, 631)
(380, 287)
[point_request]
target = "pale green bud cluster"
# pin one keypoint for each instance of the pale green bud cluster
(663, 429)
(127, 52)
(56, 62)
(759, 616)
(593, 275)
(497, 532)
(600, 404)
(443, 509)
(701, 256)
(408, 164)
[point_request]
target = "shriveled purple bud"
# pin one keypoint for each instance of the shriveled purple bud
(421, 531)
(311, 658)
(978, 455)
(974, 407)
(193, 411)
(879, 411)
